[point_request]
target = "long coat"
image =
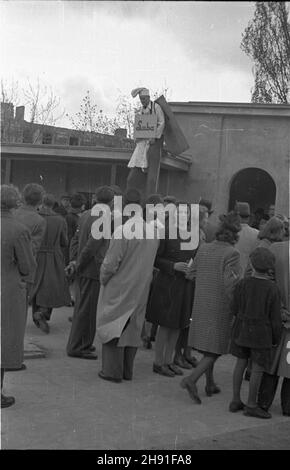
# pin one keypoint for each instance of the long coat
(51, 287)
(125, 278)
(171, 298)
(16, 261)
(281, 253)
(36, 225)
(216, 269)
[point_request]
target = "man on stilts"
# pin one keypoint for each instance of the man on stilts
(147, 152)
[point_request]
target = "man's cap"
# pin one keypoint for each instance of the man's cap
(243, 209)
(262, 259)
(141, 91)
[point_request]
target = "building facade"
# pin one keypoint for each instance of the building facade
(237, 151)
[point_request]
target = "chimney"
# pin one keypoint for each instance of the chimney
(121, 133)
(7, 111)
(19, 113)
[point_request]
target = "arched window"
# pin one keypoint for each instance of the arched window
(254, 186)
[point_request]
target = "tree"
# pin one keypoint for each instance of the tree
(42, 104)
(92, 119)
(267, 41)
(10, 92)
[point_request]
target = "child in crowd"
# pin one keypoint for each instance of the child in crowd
(256, 330)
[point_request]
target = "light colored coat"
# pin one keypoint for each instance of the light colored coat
(125, 277)
(248, 241)
(216, 269)
(281, 252)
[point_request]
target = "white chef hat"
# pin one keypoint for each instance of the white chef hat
(141, 91)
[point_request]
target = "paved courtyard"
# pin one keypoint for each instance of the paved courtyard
(61, 403)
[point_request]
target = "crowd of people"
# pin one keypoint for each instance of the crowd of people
(230, 294)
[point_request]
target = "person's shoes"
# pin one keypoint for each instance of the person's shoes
(110, 379)
(7, 401)
(85, 355)
(41, 322)
(285, 413)
(263, 407)
(236, 406)
(175, 369)
(181, 362)
(212, 389)
(192, 361)
(247, 375)
(91, 349)
(163, 370)
(192, 390)
(70, 319)
(23, 367)
(256, 412)
(152, 339)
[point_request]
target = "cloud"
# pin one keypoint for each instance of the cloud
(193, 47)
(74, 89)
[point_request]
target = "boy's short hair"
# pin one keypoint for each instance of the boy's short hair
(104, 194)
(48, 200)
(32, 194)
(263, 260)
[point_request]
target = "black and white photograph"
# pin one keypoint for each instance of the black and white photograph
(145, 208)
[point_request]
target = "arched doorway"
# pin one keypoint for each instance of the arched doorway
(254, 186)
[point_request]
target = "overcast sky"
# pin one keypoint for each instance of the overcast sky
(191, 47)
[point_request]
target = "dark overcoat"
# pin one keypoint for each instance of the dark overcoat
(16, 261)
(170, 302)
(51, 287)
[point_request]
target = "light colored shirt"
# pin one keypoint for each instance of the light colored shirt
(139, 157)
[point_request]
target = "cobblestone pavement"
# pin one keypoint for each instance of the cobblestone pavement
(61, 403)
